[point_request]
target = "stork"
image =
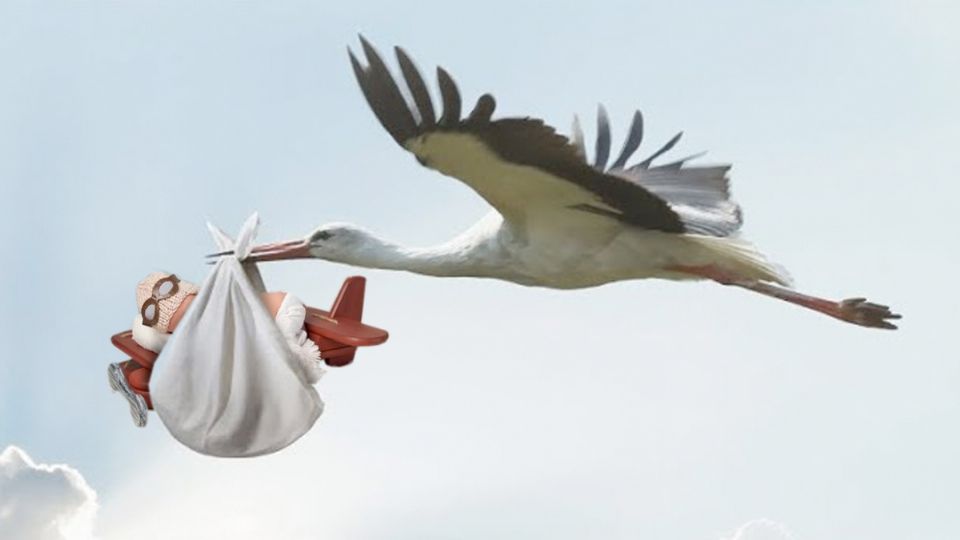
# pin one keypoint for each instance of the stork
(558, 220)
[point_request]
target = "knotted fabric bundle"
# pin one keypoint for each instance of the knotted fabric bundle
(227, 384)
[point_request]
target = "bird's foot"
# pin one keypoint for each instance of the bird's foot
(859, 311)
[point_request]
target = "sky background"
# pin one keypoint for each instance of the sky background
(640, 410)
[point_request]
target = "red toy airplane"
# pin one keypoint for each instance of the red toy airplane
(337, 333)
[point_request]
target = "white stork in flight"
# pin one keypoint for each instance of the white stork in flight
(558, 220)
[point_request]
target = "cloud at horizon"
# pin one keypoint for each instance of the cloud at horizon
(54, 502)
(43, 502)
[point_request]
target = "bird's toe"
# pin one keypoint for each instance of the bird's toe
(860, 311)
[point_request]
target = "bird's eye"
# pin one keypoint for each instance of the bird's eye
(322, 235)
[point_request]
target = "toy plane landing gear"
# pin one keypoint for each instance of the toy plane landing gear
(337, 333)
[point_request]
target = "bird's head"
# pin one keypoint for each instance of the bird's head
(338, 241)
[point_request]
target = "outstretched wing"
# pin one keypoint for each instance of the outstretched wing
(521, 166)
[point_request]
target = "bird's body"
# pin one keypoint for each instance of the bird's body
(493, 249)
(546, 241)
(557, 220)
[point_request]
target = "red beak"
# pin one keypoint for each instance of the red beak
(278, 251)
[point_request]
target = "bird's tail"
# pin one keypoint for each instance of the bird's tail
(742, 259)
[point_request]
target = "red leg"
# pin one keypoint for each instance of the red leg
(852, 310)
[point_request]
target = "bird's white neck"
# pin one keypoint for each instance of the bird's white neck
(449, 259)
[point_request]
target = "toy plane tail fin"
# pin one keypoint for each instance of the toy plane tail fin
(349, 302)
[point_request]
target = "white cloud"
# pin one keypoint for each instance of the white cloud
(43, 502)
(762, 529)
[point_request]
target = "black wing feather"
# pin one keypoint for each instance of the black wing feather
(483, 110)
(670, 144)
(392, 108)
(418, 89)
(634, 138)
(451, 99)
(602, 152)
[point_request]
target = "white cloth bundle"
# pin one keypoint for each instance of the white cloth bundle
(290, 318)
(227, 384)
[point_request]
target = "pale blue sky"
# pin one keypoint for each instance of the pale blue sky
(636, 410)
